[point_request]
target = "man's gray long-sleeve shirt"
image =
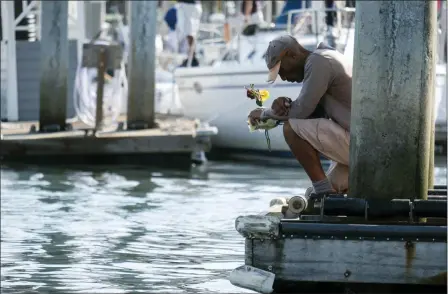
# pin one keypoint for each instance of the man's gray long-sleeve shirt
(328, 81)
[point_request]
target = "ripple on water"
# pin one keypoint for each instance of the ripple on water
(122, 230)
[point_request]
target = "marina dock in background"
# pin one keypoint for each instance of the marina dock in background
(386, 233)
(176, 140)
(100, 132)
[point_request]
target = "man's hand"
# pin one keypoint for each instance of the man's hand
(254, 116)
(281, 106)
(250, 94)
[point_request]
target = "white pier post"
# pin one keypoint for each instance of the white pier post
(142, 62)
(9, 37)
(94, 17)
(81, 26)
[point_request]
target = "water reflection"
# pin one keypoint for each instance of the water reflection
(118, 229)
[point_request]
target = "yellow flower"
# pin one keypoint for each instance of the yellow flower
(264, 95)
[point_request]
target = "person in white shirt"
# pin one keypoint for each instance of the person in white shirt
(189, 14)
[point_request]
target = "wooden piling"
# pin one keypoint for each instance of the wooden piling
(101, 57)
(393, 90)
(143, 24)
(54, 65)
(100, 89)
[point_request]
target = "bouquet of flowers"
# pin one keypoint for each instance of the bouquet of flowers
(261, 96)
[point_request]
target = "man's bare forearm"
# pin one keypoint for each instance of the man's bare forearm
(269, 113)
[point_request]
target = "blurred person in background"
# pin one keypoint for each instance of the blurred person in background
(189, 14)
(330, 19)
(252, 16)
(171, 39)
(252, 12)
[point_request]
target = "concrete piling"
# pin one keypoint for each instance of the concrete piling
(54, 66)
(393, 93)
(143, 24)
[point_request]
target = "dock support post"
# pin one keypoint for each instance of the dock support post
(81, 23)
(432, 141)
(101, 68)
(94, 15)
(54, 65)
(9, 38)
(393, 93)
(143, 24)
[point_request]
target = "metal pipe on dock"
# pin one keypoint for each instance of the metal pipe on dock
(393, 78)
(54, 66)
(143, 24)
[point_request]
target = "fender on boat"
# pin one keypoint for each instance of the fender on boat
(252, 278)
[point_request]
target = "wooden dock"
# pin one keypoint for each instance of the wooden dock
(173, 141)
(346, 245)
(142, 136)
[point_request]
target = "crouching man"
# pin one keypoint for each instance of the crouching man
(318, 121)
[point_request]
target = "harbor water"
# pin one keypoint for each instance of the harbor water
(119, 229)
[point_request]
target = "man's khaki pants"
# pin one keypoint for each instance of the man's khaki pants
(331, 140)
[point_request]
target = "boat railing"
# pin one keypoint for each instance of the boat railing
(311, 21)
(214, 30)
(307, 21)
(209, 35)
(341, 13)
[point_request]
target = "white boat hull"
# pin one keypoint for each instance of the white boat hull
(217, 95)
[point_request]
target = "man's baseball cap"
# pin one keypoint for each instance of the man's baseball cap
(276, 50)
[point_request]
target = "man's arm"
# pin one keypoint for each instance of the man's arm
(268, 113)
(317, 78)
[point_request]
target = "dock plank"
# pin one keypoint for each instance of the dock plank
(173, 134)
(365, 261)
